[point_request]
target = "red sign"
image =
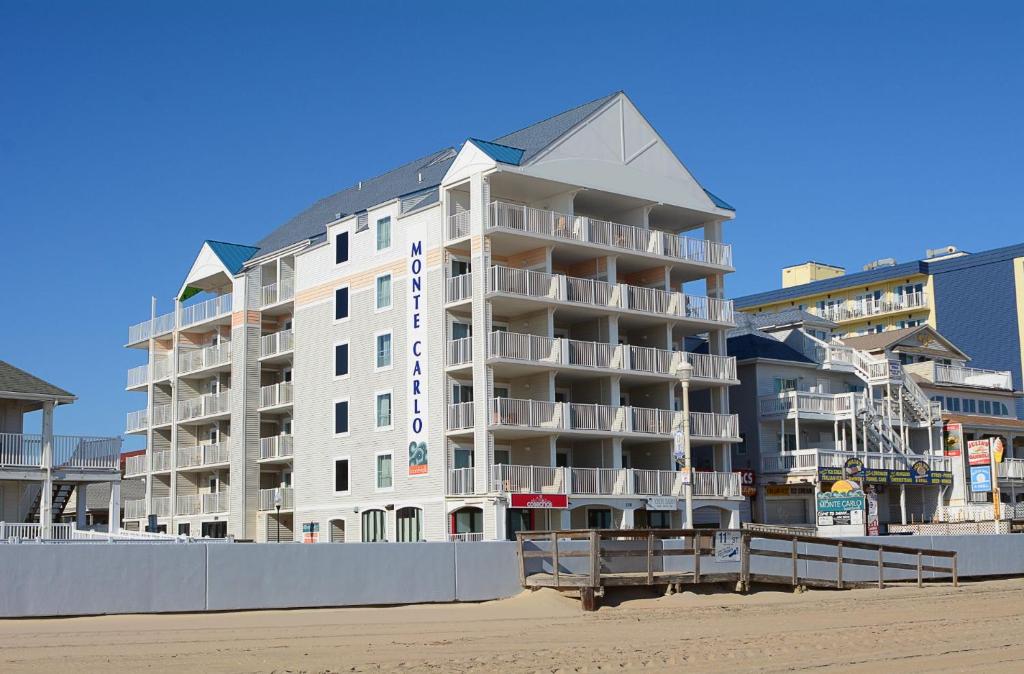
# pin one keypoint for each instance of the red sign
(977, 453)
(748, 482)
(540, 501)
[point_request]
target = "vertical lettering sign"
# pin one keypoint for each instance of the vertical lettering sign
(416, 361)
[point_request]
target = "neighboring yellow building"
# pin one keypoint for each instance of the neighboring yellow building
(799, 274)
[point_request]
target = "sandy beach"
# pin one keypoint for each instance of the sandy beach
(977, 627)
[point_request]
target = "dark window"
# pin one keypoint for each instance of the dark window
(599, 519)
(341, 417)
(341, 475)
(341, 248)
(218, 529)
(184, 528)
(340, 360)
(341, 303)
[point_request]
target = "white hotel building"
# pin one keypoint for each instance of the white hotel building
(486, 339)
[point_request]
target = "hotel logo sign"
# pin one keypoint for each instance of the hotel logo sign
(416, 354)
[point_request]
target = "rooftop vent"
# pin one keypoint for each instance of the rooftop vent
(939, 252)
(882, 262)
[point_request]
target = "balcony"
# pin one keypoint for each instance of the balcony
(203, 455)
(276, 395)
(76, 452)
(161, 461)
(458, 225)
(162, 415)
(625, 482)
(276, 344)
(216, 502)
(609, 235)
(618, 297)
(1011, 469)
(137, 421)
(461, 481)
(135, 509)
(187, 505)
(826, 405)
(458, 288)
(269, 496)
(852, 310)
(206, 311)
(277, 447)
(277, 292)
(595, 419)
(612, 358)
(811, 459)
(161, 325)
(135, 465)
(138, 377)
(954, 375)
(206, 405)
(198, 360)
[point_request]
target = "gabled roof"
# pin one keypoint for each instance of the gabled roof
(778, 319)
(721, 203)
(16, 381)
(233, 255)
(500, 153)
(758, 345)
(881, 341)
(536, 137)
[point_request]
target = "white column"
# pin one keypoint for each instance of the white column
(46, 495)
(81, 490)
(628, 518)
(114, 508)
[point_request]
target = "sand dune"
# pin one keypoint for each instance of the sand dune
(978, 627)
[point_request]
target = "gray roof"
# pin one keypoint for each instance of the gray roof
(16, 380)
(536, 137)
(97, 495)
(775, 319)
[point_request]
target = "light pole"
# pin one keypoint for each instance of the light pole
(277, 506)
(682, 448)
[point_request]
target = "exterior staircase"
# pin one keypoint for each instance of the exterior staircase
(61, 496)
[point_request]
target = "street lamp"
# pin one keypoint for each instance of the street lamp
(278, 500)
(682, 442)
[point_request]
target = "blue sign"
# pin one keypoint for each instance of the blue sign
(981, 478)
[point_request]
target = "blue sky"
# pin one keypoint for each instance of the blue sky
(130, 132)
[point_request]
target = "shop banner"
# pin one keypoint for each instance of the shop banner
(981, 479)
(977, 453)
(416, 345)
(560, 501)
(954, 440)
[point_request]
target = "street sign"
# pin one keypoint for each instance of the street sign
(981, 479)
(727, 546)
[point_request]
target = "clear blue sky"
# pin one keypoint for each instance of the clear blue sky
(130, 132)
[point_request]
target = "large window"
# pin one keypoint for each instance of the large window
(341, 359)
(599, 518)
(384, 477)
(341, 475)
(383, 292)
(384, 351)
(383, 407)
(341, 248)
(410, 525)
(341, 303)
(384, 233)
(340, 417)
(374, 526)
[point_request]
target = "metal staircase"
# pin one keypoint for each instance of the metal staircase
(61, 496)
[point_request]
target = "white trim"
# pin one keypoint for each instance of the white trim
(334, 417)
(334, 303)
(377, 394)
(334, 359)
(334, 478)
(376, 474)
(391, 292)
(391, 364)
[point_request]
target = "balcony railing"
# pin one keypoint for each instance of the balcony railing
(812, 458)
(461, 481)
(534, 348)
(460, 416)
(216, 502)
(1011, 469)
(826, 404)
(276, 343)
(460, 351)
(627, 482)
(155, 327)
(619, 296)
(276, 394)
(203, 455)
(277, 292)
(269, 496)
(583, 229)
(956, 375)
(136, 421)
(135, 465)
(467, 537)
(139, 376)
(458, 225)
(206, 357)
(277, 447)
(69, 451)
(161, 460)
(205, 311)
(851, 310)
(187, 505)
(458, 288)
(135, 509)
(204, 406)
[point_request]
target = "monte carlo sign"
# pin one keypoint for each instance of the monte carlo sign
(416, 350)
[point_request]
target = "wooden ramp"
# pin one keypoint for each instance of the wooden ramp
(591, 560)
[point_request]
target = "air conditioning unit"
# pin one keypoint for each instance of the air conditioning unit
(938, 252)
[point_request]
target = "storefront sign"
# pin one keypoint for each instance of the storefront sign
(748, 482)
(981, 479)
(559, 501)
(977, 453)
(416, 355)
(788, 490)
(918, 474)
(954, 441)
(662, 503)
(840, 509)
(871, 499)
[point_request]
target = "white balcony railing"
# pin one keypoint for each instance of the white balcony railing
(276, 343)
(458, 288)
(204, 406)
(155, 327)
(458, 225)
(135, 509)
(621, 296)
(138, 376)
(461, 481)
(161, 506)
(135, 465)
(69, 451)
(216, 502)
(628, 482)
(460, 351)
(841, 405)
(467, 537)
(282, 291)
(277, 447)
(269, 496)
(594, 231)
(812, 458)
(187, 505)
(205, 311)
(850, 310)
(956, 375)
(203, 455)
(161, 460)
(276, 394)
(136, 421)
(460, 416)
(206, 357)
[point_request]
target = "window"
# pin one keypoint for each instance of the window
(782, 385)
(409, 524)
(341, 303)
(953, 404)
(787, 442)
(341, 475)
(383, 408)
(384, 292)
(384, 351)
(341, 248)
(969, 406)
(467, 520)
(599, 518)
(910, 324)
(741, 448)
(383, 234)
(341, 359)
(659, 519)
(986, 406)
(461, 330)
(374, 526)
(384, 480)
(341, 417)
(878, 328)
(184, 528)
(1003, 411)
(218, 529)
